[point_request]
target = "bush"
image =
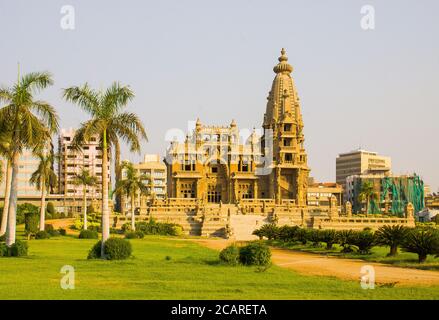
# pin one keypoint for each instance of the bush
(156, 228)
(301, 235)
(230, 255)
(329, 237)
(42, 235)
(24, 208)
(269, 231)
(345, 238)
(114, 249)
(255, 253)
(363, 240)
(18, 249)
(62, 231)
(134, 235)
(51, 209)
(88, 234)
(287, 233)
(4, 250)
(314, 236)
(31, 223)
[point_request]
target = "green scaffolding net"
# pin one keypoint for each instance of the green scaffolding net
(393, 195)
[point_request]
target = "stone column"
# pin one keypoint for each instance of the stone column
(410, 214)
(333, 209)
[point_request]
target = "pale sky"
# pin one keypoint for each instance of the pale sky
(213, 59)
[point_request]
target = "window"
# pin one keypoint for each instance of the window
(287, 127)
(288, 157)
(214, 169)
(287, 142)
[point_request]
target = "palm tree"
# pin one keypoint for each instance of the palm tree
(366, 193)
(44, 178)
(107, 121)
(422, 242)
(28, 121)
(4, 152)
(131, 185)
(392, 236)
(85, 179)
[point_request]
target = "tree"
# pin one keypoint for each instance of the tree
(29, 122)
(392, 236)
(85, 179)
(131, 185)
(107, 121)
(43, 178)
(5, 153)
(367, 193)
(422, 242)
(328, 236)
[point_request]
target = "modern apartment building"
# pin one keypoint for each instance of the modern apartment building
(154, 171)
(72, 161)
(360, 162)
(27, 164)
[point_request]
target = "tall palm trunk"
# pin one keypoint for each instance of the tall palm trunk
(12, 214)
(6, 202)
(118, 174)
(84, 206)
(133, 216)
(105, 209)
(43, 205)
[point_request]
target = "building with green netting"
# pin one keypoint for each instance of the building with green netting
(384, 194)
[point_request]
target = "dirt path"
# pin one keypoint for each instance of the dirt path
(346, 269)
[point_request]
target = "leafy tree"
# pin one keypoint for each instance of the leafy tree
(85, 179)
(43, 178)
(392, 236)
(422, 242)
(107, 121)
(29, 122)
(131, 185)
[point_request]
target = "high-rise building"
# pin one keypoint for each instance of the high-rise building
(153, 169)
(72, 161)
(214, 166)
(360, 162)
(27, 164)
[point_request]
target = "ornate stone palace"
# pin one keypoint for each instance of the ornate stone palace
(213, 166)
(219, 185)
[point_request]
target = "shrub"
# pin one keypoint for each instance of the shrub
(3, 238)
(329, 237)
(157, 228)
(314, 236)
(18, 249)
(88, 234)
(48, 227)
(287, 233)
(62, 231)
(363, 240)
(51, 209)
(269, 231)
(134, 235)
(255, 253)
(24, 208)
(42, 235)
(422, 242)
(31, 223)
(344, 238)
(230, 255)
(301, 235)
(392, 236)
(114, 249)
(4, 250)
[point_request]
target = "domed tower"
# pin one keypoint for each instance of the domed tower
(289, 177)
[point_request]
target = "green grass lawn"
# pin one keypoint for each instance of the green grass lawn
(193, 272)
(378, 254)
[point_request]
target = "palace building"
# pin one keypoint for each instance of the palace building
(214, 166)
